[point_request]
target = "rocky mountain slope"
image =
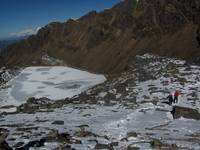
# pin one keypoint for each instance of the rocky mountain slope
(129, 111)
(107, 41)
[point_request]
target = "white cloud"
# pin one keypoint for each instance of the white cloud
(25, 32)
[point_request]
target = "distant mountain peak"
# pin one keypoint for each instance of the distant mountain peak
(25, 32)
(125, 6)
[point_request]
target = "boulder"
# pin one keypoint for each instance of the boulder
(188, 113)
(19, 144)
(157, 144)
(36, 143)
(103, 147)
(131, 134)
(36, 105)
(58, 122)
(130, 147)
(3, 144)
(64, 147)
(84, 133)
(55, 136)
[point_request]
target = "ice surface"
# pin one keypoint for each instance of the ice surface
(51, 82)
(113, 121)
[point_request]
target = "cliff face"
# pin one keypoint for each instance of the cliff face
(106, 42)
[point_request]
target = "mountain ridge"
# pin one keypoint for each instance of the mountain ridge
(105, 42)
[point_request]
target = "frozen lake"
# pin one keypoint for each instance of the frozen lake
(51, 82)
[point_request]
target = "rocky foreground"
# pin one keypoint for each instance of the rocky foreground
(127, 112)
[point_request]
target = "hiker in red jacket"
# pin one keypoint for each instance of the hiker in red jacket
(176, 94)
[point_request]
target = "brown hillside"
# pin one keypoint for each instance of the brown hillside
(106, 42)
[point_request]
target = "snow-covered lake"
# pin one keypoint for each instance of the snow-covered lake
(52, 82)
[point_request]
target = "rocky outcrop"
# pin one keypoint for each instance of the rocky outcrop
(65, 139)
(3, 144)
(36, 143)
(103, 147)
(189, 113)
(32, 105)
(110, 39)
(35, 105)
(157, 144)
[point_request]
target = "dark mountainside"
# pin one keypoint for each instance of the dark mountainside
(5, 43)
(106, 42)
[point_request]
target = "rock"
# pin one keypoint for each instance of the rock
(114, 143)
(110, 96)
(55, 136)
(19, 144)
(188, 113)
(131, 134)
(52, 135)
(65, 138)
(84, 133)
(36, 143)
(38, 105)
(33, 104)
(132, 148)
(3, 144)
(83, 126)
(103, 147)
(64, 147)
(68, 147)
(3, 134)
(58, 122)
(7, 107)
(157, 144)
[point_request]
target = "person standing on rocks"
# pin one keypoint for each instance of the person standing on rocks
(176, 95)
(170, 98)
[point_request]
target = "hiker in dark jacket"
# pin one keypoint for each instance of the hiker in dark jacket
(170, 98)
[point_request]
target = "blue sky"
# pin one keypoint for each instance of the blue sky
(17, 16)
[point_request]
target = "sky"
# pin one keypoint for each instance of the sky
(17, 17)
